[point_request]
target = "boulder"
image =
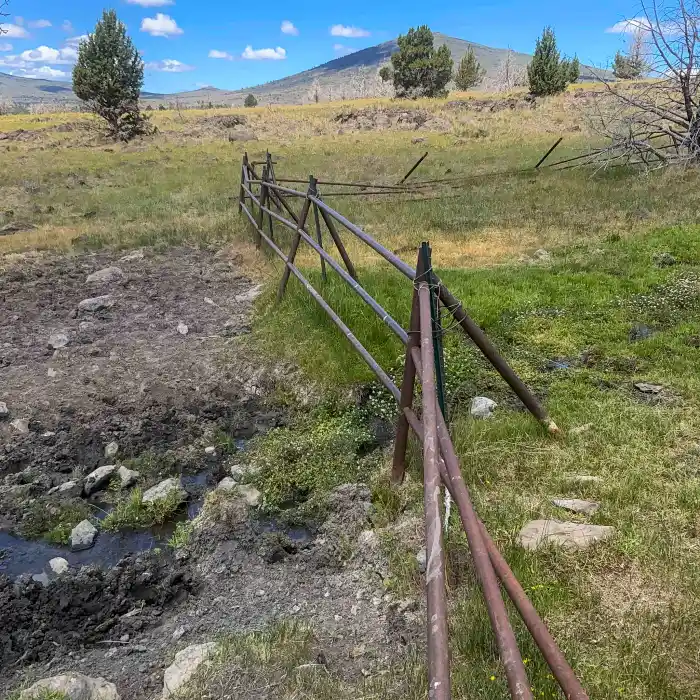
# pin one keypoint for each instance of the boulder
(164, 489)
(68, 489)
(576, 505)
(58, 340)
(20, 425)
(184, 667)
(226, 484)
(111, 449)
(94, 481)
(482, 407)
(647, 388)
(83, 536)
(72, 686)
(249, 494)
(58, 565)
(540, 533)
(96, 303)
(105, 276)
(127, 477)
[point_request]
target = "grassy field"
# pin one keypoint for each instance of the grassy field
(626, 611)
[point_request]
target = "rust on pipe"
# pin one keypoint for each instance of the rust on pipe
(438, 645)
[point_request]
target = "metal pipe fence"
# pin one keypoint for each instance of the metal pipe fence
(257, 197)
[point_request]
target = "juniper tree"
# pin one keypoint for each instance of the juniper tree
(108, 77)
(250, 101)
(469, 72)
(547, 73)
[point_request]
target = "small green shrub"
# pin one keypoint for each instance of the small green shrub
(182, 534)
(53, 523)
(132, 512)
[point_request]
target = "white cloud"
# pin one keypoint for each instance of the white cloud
(44, 72)
(289, 28)
(14, 31)
(628, 26)
(74, 41)
(251, 54)
(215, 53)
(160, 25)
(39, 24)
(67, 27)
(45, 54)
(150, 3)
(169, 65)
(348, 32)
(4, 46)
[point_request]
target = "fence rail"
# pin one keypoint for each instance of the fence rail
(264, 201)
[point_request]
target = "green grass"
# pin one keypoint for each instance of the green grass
(131, 512)
(55, 522)
(181, 535)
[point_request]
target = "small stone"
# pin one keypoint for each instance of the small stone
(580, 429)
(182, 328)
(111, 450)
(296, 608)
(20, 425)
(178, 633)
(664, 260)
(646, 388)
(105, 276)
(576, 505)
(58, 340)
(542, 255)
(69, 489)
(96, 303)
(640, 332)
(540, 533)
(41, 578)
(124, 638)
(210, 451)
(127, 477)
(131, 257)
(184, 666)
(227, 484)
(422, 559)
(97, 479)
(58, 565)
(164, 489)
(72, 686)
(249, 494)
(4, 411)
(368, 539)
(83, 536)
(482, 407)
(51, 373)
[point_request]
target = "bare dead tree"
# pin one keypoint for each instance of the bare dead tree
(657, 122)
(509, 75)
(3, 6)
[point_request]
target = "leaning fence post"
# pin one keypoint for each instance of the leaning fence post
(313, 189)
(295, 243)
(241, 193)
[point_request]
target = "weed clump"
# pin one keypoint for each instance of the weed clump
(131, 512)
(53, 523)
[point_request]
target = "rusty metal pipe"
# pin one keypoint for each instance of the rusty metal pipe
(438, 644)
(371, 362)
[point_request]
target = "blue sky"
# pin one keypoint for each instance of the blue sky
(190, 43)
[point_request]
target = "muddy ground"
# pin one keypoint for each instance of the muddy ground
(75, 380)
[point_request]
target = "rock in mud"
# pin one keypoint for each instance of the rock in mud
(4, 411)
(111, 450)
(105, 276)
(94, 481)
(184, 666)
(183, 328)
(127, 477)
(20, 425)
(72, 686)
(482, 407)
(68, 489)
(83, 536)
(58, 340)
(58, 565)
(95, 304)
(249, 494)
(131, 257)
(227, 484)
(540, 533)
(576, 505)
(164, 489)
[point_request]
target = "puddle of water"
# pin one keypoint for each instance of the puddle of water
(299, 535)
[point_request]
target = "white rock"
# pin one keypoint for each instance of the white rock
(83, 536)
(69, 489)
(128, 477)
(646, 388)
(542, 255)
(96, 303)
(540, 533)
(249, 494)
(51, 373)
(99, 478)
(136, 255)
(178, 633)
(184, 666)
(226, 484)
(482, 407)
(183, 328)
(20, 425)
(111, 449)
(106, 275)
(58, 565)
(58, 340)
(368, 539)
(211, 451)
(4, 410)
(576, 505)
(422, 559)
(41, 578)
(164, 489)
(73, 686)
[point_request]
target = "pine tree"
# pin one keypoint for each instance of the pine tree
(250, 101)
(469, 72)
(547, 73)
(108, 76)
(574, 70)
(418, 69)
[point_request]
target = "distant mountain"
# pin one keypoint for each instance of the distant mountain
(345, 77)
